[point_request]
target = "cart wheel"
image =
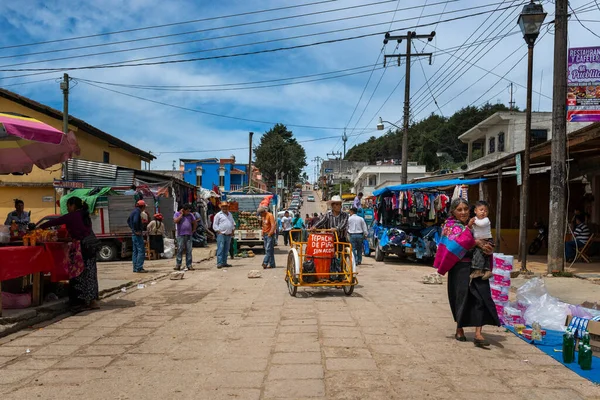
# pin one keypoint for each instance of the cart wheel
(348, 290)
(291, 274)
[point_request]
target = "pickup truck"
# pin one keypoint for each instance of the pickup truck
(249, 230)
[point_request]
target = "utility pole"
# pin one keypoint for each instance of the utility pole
(337, 154)
(64, 86)
(250, 158)
(344, 139)
(558, 177)
(409, 37)
(317, 160)
(512, 102)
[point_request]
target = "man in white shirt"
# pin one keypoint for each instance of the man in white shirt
(224, 227)
(286, 227)
(358, 231)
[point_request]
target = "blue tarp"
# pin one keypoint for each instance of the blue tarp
(427, 185)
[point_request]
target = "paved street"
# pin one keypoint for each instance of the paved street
(219, 335)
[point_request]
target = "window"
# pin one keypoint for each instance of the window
(222, 181)
(199, 180)
(538, 136)
(106, 157)
(492, 148)
(501, 142)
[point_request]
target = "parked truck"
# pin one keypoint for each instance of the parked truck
(248, 225)
(109, 222)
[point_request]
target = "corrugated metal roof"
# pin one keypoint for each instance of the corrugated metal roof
(94, 174)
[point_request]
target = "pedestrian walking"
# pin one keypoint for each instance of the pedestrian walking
(268, 230)
(137, 230)
(156, 234)
(286, 226)
(358, 231)
(224, 227)
(83, 274)
(470, 299)
(297, 224)
(186, 226)
(358, 201)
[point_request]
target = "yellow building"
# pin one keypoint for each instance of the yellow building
(36, 189)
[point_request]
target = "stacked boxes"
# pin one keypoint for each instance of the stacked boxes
(500, 286)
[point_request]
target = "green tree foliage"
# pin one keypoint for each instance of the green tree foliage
(279, 151)
(426, 138)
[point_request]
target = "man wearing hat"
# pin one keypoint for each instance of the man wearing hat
(335, 219)
(135, 223)
(224, 227)
(268, 229)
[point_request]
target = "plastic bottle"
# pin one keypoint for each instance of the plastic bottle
(568, 348)
(585, 358)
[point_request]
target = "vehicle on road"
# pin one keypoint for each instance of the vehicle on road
(310, 198)
(249, 230)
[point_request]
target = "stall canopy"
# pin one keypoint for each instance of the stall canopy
(426, 185)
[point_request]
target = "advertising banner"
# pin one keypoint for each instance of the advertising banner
(583, 85)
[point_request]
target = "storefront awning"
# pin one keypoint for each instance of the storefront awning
(427, 185)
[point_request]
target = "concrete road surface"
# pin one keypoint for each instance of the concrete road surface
(219, 335)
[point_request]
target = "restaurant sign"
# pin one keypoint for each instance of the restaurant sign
(583, 85)
(68, 184)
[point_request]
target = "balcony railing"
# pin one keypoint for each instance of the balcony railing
(235, 188)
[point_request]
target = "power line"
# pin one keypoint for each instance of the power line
(207, 112)
(131, 63)
(232, 88)
(582, 24)
(167, 25)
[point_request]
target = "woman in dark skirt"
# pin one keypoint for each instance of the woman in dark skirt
(83, 288)
(470, 299)
(156, 234)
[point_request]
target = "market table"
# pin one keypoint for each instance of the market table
(18, 261)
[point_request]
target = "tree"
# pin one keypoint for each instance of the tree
(279, 152)
(432, 135)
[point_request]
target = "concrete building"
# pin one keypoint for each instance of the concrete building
(36, 188)
(503, 134)
(372, 177)
(224, 173)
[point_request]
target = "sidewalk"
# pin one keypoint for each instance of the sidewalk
(112, 277)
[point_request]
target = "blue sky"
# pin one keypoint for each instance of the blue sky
(324, 103)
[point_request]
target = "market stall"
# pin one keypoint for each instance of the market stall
(407, 218)
(25, 142)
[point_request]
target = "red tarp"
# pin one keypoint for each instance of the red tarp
(26, 260)
(321, 248)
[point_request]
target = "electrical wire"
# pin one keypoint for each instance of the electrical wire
(582, 24)
(167, 25)
(29, 82)
(221, 89)
(135, 63)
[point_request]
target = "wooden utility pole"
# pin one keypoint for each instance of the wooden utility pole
(64, 86)
(558, 176)
(250, 159)
(409, 36)
(512, 102)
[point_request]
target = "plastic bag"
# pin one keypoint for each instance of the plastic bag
(548, 311)
(531, 292)
(169, 245)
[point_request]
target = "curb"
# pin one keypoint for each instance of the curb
(53, 310)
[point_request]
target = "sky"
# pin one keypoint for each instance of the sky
(219, 70)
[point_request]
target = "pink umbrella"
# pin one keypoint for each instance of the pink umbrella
(25, 142)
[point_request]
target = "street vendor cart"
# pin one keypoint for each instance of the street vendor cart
(321, 261)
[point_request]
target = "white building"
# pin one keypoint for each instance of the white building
(372, 177)
(503, 134)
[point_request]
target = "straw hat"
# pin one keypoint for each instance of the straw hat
(334, 199)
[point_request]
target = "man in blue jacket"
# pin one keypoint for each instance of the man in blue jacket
(135, 223)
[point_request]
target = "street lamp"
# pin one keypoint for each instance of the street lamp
(530, 21)
(404, 176)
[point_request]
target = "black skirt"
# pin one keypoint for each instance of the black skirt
(471, 304)
(157, 244)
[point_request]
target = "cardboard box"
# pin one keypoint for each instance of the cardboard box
(594, 330)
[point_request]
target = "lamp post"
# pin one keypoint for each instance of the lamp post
(404, 176)
(530, 21)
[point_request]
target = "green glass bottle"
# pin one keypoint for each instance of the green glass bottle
(585, 358)
(568, 348)
(586, 338)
